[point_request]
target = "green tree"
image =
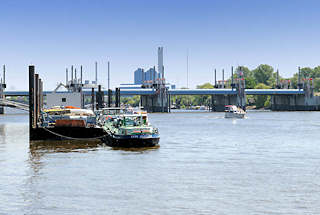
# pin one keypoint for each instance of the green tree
(248, 76)
(264, 74)
(316, 72)
(261, 100)
(205, 99)
(307, 72)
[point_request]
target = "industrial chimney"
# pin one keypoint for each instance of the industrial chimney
(160, 63)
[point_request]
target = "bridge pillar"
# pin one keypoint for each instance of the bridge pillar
(156, 103)
(295, 103)
(219, 102)
(304, 102)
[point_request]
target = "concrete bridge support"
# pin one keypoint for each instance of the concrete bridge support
(220, 101)
(156, 103)
(295, 103)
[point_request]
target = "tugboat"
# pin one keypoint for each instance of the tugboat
(129, 129)
(232, 111)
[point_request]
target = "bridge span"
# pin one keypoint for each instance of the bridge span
(155, 100)
(173, 92)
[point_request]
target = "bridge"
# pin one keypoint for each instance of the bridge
(156, 97)
(176, 92)
(151, 99)
(13, 104)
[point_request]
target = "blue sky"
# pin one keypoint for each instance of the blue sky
(56, 34)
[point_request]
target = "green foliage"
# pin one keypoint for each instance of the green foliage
(262, 77)
(184, 101)
(205, 86)
(203, 100)
(132, 101)
(307, 72)
(264, 74)
(248, 76)
(262, 101)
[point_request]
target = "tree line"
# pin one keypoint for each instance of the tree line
(262, 77)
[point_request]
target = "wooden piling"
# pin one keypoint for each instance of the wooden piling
(41, 94)
(31, 100)
(117, 97)
(109, 97)
(37, 96)
(92, 99)
(99, 98)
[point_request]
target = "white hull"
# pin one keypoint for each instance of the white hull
(234, 115)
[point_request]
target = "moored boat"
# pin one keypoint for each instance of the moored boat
(68, 123)
(129, 129)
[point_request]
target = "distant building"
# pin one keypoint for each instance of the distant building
(145, 79)
(151, 74)
(138, 76)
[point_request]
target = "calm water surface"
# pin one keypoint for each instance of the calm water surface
(268, 163)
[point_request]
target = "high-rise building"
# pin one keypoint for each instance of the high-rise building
(151, 75)
(139, 76)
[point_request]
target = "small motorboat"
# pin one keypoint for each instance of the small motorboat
(233, 111)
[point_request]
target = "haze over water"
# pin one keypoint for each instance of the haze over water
(265, 164)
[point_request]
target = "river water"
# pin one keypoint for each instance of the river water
(268, 163)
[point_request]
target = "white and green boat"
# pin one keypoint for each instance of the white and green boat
(128, 128)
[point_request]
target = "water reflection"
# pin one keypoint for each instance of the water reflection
(41, 147)
(141, 150)
(2, 133)
(38, 148)
(2, 130)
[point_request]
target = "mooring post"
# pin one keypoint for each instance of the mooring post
(109, 97)
(117, 97)
(36, 90)
(108, 75)
(31, 101)
(92, 98)
(99, 98)
(41, 94)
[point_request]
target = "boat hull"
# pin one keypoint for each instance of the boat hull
(132, 141)
(234, 115)
(70, 133)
